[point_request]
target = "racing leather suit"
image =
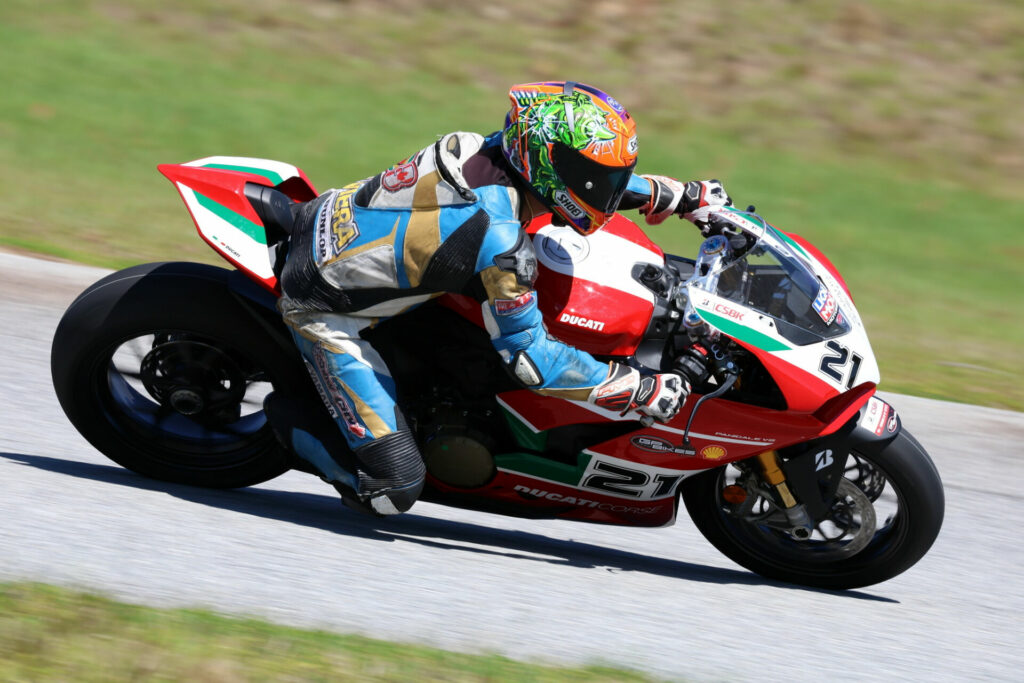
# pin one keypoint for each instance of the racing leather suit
(444, 220)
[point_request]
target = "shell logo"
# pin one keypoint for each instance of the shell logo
(713, 452)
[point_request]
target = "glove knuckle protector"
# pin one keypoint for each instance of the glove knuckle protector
(659, 396)
(699, 198)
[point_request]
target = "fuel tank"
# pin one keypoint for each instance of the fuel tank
(586, 287)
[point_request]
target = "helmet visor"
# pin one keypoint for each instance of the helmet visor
(600, 186)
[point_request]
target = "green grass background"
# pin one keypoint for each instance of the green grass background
(888, 133)
(54, 634)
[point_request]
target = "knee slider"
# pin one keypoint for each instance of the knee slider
(393, 464)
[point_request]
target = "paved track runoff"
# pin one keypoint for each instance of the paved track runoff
(661, 601)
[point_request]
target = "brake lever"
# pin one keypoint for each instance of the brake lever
(647, 420)
(726, 385)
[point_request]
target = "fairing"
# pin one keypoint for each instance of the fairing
(590, 298)
(213, 189)
(632, 478)
(788, 309)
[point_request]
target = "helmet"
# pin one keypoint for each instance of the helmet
(574, 145)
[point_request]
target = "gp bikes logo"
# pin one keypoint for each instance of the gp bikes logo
(401, 176)
(652, 444)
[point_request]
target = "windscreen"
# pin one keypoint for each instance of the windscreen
(773, 280)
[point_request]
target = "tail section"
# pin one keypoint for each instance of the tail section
(234, 214)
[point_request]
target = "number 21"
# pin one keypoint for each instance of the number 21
(834, 364)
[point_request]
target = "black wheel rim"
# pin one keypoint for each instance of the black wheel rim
(834, 546)
(189, 400)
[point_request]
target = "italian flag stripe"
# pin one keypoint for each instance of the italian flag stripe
(744, 334)
(251, 230)
(793, 245)
(542, 468)
(269, 175)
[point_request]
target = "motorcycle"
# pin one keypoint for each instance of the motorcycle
(783, 456)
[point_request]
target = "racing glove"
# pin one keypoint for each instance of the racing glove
(669, 196)
(660, 396)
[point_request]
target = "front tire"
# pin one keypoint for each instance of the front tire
(163, 370)
(880, 544)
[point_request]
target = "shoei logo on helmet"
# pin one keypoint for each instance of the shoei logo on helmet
(632, 145)
(563, 199)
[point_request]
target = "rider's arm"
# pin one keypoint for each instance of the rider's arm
(658, 197)
(538, 361)
(541, 362)
(638, 193)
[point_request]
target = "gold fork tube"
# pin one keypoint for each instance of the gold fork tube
(773, 475)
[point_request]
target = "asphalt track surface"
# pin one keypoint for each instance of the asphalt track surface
(661, 600)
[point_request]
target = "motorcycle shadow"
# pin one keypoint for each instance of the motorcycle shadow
(326, 512)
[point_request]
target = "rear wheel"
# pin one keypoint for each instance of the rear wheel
(886, 514)
(163, 371)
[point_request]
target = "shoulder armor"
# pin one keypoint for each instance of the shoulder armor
(450, 153)
(439, 166)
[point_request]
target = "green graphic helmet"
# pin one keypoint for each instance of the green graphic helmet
(575, 146)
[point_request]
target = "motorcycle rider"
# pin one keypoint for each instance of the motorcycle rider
(450, 219)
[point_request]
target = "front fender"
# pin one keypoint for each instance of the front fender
(815, 468)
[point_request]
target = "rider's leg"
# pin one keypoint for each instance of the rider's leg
(359, 393)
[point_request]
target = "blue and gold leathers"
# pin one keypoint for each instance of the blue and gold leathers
(444, 220)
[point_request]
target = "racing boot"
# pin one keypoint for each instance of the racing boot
(303, 428)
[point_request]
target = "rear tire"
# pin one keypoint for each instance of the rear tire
(162, 369)
(896, 544)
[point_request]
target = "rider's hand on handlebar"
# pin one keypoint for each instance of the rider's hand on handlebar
(659, 396)
(692, 200)
(701, 198)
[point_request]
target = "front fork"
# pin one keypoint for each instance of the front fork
(801, 524)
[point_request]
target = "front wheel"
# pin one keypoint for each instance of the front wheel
(886, 514)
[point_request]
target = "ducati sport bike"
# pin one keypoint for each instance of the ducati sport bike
(783, 455)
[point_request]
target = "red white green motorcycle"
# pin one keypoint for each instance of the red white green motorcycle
(783, 456)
